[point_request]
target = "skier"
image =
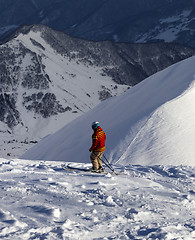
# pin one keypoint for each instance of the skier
(98, 147)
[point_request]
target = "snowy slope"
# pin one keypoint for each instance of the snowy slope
(48, 78)
(174, 28)
(40, 200)
(43, 89)
(153, 123)
(75, 85)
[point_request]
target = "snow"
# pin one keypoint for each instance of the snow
(41, 200)
(152, 123)
(76, 85)
(150, 142)
(182, 17)
(169, 28)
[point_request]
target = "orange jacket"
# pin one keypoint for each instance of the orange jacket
(98, 139)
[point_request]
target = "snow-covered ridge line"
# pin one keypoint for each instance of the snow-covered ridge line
(49, 78)
(152, 123)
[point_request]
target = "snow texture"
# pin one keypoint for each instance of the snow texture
(41, 200)
(152, 123)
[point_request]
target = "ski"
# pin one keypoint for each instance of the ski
(71, 168)
(68, 167)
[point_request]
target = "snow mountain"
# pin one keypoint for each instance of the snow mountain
(121, 21)
(49, 78)
(151, 124)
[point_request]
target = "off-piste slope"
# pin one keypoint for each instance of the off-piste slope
(158, 128)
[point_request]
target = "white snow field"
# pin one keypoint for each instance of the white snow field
(152, 123)
(41, 200)
(150, 142)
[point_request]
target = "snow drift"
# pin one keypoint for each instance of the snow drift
(153, 123)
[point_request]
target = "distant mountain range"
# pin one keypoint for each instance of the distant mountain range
(121, 21)
(48, 78)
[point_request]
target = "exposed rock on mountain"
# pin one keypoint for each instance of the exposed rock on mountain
(125, 63)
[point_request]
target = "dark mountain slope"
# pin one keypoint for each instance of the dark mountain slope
(122, 21)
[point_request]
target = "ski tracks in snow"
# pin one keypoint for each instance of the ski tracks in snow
(41, 200)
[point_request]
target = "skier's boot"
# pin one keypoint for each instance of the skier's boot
(101, 169)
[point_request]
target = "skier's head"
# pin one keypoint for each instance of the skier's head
(95, 125)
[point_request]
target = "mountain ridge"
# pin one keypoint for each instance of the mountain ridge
(157, 129)
(49, 78)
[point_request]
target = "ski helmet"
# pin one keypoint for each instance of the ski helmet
(94, 125)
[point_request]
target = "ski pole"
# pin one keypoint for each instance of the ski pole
(108, 166)
(111, 168)
(107, 161)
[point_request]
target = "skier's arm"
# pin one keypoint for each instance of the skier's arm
(95, 142)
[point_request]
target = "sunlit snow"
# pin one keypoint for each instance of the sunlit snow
(153, 123)
(41, 200)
